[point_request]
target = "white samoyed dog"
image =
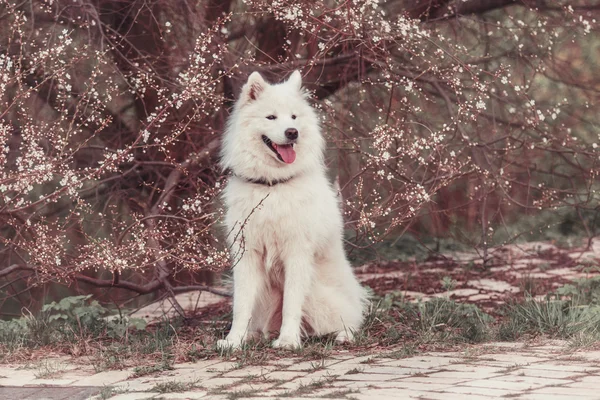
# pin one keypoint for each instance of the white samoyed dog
(285, 228)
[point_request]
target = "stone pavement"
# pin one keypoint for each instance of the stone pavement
(545, 371)
(541, 370)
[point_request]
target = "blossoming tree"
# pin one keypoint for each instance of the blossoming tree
(437, 111)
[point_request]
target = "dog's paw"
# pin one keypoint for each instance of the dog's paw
(287, 343)
(344, 336)
(228, 344)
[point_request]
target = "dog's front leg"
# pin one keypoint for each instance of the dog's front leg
(247, 282)
(298, 279)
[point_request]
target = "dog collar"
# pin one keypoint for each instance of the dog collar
(264, 181)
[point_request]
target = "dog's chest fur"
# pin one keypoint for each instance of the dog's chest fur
(281, 218)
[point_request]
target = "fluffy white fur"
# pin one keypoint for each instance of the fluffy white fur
(290, 271)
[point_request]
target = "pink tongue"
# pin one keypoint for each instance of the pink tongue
(286, 151)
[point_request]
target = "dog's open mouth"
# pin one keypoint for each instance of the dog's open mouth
(285, 152)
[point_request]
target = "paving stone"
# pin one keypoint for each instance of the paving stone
(213, 383)
(78, 374)
(568, 390)
(366, 377)
(522, 371)
(52, 382)
(466, 292)
(15, 377)
(192, 377)
(530, 274)
(415, 295)
(134, 386)
(225, 366)
(184, 395)
(384, 394)
(135, 396)
(493, 285)
(539, 396)
(309, 366)
(422, 362)
(342, 368)
(284, 375)
(330, 392)
(590, 355)
(482, 391)
(397, 371)
(466, 375)
(567, 366)
(404, 384)
(274, 392)
(18, 392)
(563, 272)
(391, 274)
(152, 381)
(356, 361)
(361, 385)
(532, 380)
(189, 301)
(501, 366)
(320, 376)
(437, 354)
(285, 362)
(512, 385)
(516, 359)
(256, 370)
(290, 398)
(449, 396)
(432, 380)
(505, 345)
(265, 398)
(343, 355)
(250, 386)
(589, 381)
(48, 393)
(478, 297)
(544, 373)
(545, 350)
(475, 369)
(198, 365)
(105, 378)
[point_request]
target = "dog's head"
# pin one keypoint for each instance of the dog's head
(273, 133)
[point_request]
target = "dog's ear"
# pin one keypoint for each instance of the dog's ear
(254, 87)
(295, 79)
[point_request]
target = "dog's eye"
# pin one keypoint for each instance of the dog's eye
(271, 117)
(293, 116)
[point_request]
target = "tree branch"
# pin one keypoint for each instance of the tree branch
(150, 287)
(13, 268)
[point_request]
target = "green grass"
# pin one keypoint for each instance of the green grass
(306, 389)
(172, 387)
(446, 320)
(340, 394)
(107, 392)
(69, 321)
(164, 365)
(407, 350)
(241, 394)
(354, 371)
(392, 320)
(49, 369)
(571, 312)
(394, 326)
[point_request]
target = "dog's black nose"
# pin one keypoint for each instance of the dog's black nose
(291, 133)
